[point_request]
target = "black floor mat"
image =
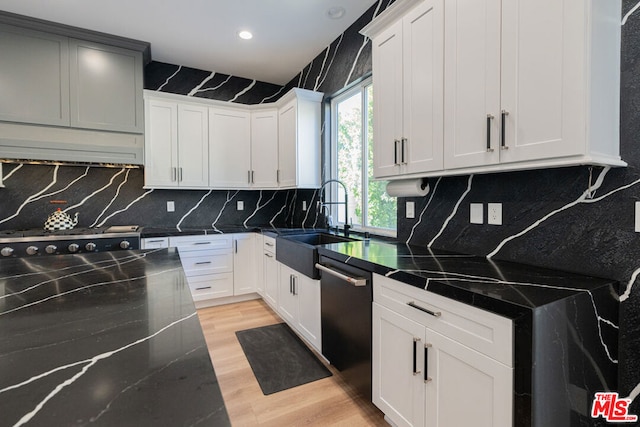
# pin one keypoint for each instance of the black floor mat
(279, 359)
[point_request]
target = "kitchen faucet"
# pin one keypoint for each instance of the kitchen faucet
(322, 204)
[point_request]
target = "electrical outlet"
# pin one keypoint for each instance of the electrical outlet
(476, 215)
(494, 213)
(637, 217)
(240, 205)
(411, 209)
(304, 205)
(171, 206)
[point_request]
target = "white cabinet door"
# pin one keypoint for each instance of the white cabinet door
(287, 300)
(287, 145)
(396, 390)
(308, 322)
(193, 146)
(244, 263)
(264, 148)
(387, 101)
(543, 78)
(229, 148)
(161, 143)
(457, 371)
(423, 62)
(271, 280)
(472, 82)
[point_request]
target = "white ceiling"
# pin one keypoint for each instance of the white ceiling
(202, 34)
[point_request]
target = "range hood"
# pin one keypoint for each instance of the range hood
(59, 145)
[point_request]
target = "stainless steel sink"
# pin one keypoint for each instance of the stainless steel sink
(300, 251)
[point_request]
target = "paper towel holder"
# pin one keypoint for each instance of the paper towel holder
(417, 187)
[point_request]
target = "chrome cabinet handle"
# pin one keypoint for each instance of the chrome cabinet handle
(174, 174)
(252, 180)
(248, 177)
(295, 285)
(403, 142)
(415, 356)
(426, 377)
(291, 283)
(353, 280)
(268, 243)
(202, 243)
(268, 255)
(395, 151)
(503, 142)
(203, 262)
(278, 176)
(155, 241)
(204, 287)
(433, 313)
(236, 242)
(489, 118)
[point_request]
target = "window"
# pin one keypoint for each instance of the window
(370, 208)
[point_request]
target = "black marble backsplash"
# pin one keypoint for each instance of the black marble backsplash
(105, 196)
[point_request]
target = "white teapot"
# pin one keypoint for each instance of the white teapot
(60, 221)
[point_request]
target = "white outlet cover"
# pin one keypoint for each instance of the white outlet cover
(304, 205)
(171, 206)
(494, 213)
(240, 205)
(411, 210)
(637, 221)
(476, 213)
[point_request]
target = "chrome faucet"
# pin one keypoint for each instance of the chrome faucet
(345, 203)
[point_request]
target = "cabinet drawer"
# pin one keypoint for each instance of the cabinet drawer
(207, 262)
(269, 244)
(211, 286)
(475, 328)
(155, 242)
(201, 242)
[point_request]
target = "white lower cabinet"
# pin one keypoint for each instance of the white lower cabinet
(270, 272)
(244, 263)
(299, 304)
(438, 362)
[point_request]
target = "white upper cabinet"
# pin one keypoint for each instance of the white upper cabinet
(229, 148)
(408, 90)
(232, 146)
(527, 84)
(176, 144)
(264, 148)
(299, 139)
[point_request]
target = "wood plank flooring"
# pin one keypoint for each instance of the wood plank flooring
(328, 401)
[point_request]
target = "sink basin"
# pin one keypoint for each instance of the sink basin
(300, 252)
(316, 239)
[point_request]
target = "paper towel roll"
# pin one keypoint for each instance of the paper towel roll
(408, 188)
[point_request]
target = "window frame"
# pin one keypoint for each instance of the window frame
(332, 188)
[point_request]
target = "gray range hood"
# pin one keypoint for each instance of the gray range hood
(18, 141)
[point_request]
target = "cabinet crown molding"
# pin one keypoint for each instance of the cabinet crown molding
(389, 16)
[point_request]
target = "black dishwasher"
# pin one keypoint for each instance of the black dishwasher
(346, 298)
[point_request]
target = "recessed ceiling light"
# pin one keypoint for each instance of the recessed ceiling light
(245, 35)
(336, 12)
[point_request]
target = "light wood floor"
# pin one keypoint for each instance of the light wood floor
(328, 401)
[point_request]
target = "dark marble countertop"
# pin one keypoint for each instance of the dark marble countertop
(498, 286)
(107, 339)
(146, 232)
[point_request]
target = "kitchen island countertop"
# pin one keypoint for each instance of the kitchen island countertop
(107, 339)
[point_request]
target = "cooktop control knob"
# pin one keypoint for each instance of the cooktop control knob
(32, 250)
(51, 249)
(73, 247)
(6, 251)
(125, 244)
(90, 246)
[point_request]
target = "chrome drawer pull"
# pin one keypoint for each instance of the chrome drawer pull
(415, 356)
(353, 280)
(426, 377)
(426, 310)
(268, 243)
(203, 262)
(268, 255)
(202, 243)
(203, 288)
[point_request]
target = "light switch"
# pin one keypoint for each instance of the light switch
(304, 205)
(476, 215)
(240, 205)
(637, 217)
(411, 209)
(171, 206)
